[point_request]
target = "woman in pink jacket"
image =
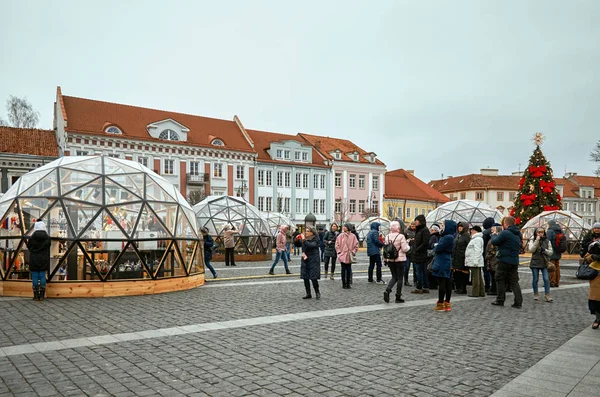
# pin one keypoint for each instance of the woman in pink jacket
(396, 265)
(281, 251)
(346, 245)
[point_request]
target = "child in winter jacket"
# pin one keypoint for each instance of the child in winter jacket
(474, 261)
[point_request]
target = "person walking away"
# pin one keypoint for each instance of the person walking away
(555, 233)
(409, 233)
(509, 242)
(229, 242)
(330, 254)
(374, 252)
(442, 266)
(488, 223)
(396, 265)
(461, 273)
(310, 264)
(346, 244)
(322, 244)
(474, 261)
(281, 250)
(541, 251)
(39, 259)
(289, 239)
(209, 243)
(418, 255)
(592, 257)
(434, 238)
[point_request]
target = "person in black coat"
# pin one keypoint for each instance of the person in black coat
(418, 254)
(461, 273)
(208, 250)
(310, 265)
(39, 258)
(490, 284)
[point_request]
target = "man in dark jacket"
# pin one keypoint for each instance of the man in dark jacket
(460, 271)
(509, 243)
(39, 258)
(418, 254)
(374, 252)
(554, 229)
(487, 234)
(588, 238)
(409, 233)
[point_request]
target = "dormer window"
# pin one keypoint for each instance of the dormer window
(168, 135)
(113, 130)
(217, 142)
(337, 155)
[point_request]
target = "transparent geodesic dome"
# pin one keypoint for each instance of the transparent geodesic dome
(473, 212)
(217, 212)
(108, 219)
(364, 227)
(572, 225)
(276, 219)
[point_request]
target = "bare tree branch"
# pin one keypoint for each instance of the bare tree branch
(3, 123)
(595, 157)
(21, 113)
(195, 196)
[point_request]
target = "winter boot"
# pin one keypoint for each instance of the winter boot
(331, 277)
(447, 306)
(42, 293)
(36, 294)
(287, 271)
(439, 307)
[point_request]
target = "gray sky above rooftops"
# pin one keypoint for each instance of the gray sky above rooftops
(436, 86)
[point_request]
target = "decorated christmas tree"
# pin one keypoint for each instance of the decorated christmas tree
(537, 190)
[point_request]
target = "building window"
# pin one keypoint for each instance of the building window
(375, 205)
(305, 181)
(217, 142)
(352, 206)
(168, 166)
(194, 168)
(590, 207)
(269, 178)
(352, 182)
(400, 213)
(337, 155)
(261, 203)
(279, 178)
(304, 156)
(390, 211)
(322, 206)
(422, 211)
(407, 212)
(298, 180)
(113, 130)
(168, 135)
(315, 181)
(361, 181)
(375, 182)
(338, 205)
(338, 180)
(512, 196)
(279, 204)
(286, 154)
(315, 206)
(114, 155)
(361, 206)
(143, 161)
(500, 196)
(297, 156)
(322, 181)
(305, 206)
(566, 206)
(479, 196)
(239, 172)
(279, 153)
(218, 170)
(288, 177)
(463, 195)
(286, 205)
(81, 153)
(261, 178)
(298, 206)
(269, 204)
(574, 207)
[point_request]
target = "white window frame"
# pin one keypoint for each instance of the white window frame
(315, 206)
(338, 180)
(194, 168)
(305, 206)
(323, 182)
(279, 153)
(305, 156)
(375, 182)
(338, 206)
(168, 167)
(305, 180)
(298, 206)
(143, 160)
(361, 206)
(297, 156)
(298, 180)
(240, 172)
(279, 178)
(218, 170)
(322, 206)
(260, 179)
(361, 181)
(269, 204)
(261, 203)
(269, 178)
(315, 181)
(352, 181)
(352, 206)
(286, 155)
(287, 179)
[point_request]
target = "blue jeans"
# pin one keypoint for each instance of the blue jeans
(421, 270)
(535, 273)
(280, 255)
(487, 278)
(296, 250)
(38, 277)
(209, 266)
(288, 250)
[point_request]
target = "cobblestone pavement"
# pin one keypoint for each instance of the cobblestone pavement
(403, 350)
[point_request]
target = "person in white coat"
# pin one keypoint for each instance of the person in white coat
(474, 261)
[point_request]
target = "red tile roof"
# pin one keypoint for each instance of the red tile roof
(570, 190)
(402, 185)
(31, 141)
(588, 181)
(476, 182)
(262, 142)
(326, 145)
(90, 116)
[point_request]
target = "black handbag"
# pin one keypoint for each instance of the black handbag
(585, 272)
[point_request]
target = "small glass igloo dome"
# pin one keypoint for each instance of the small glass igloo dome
(364, 227)
(473, 212)
(253, 240)
(275, 219)
(572, 225)
(108, 219)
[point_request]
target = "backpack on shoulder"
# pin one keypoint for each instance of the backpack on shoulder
(560, 245)
(390, 251)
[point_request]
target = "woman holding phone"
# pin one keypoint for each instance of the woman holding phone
(310, 265)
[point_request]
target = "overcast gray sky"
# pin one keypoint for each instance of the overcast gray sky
(436, 86)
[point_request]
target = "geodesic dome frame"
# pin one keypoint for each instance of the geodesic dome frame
(473, 212)
(276, 219)
(573, 227)
(108, 219)
(364, 227)
(254, 239)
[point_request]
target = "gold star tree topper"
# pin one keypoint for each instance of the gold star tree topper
(538, 138)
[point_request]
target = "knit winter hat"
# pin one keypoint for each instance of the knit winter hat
(39, 225)
(435, 228)
(596, 225)
(476, 228)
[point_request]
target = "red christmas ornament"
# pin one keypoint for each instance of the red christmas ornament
(547, 187)
(518, 220)
(521, 183)
(537, 172)
(528, 199)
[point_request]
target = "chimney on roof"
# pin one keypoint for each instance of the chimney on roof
(489, 171)
(412, 172)
(570, 174)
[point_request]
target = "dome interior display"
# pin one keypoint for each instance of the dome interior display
(470, 211)
(217, 212)
(275, 219)
(573, 226)
(364, 227)
(108, 219)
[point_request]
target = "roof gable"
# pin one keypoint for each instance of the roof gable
(327, 145)
(31, 141)
(402, 185)
(262, 144)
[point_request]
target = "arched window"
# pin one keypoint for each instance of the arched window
(218, 142)
(113, 130)
(168, 135)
